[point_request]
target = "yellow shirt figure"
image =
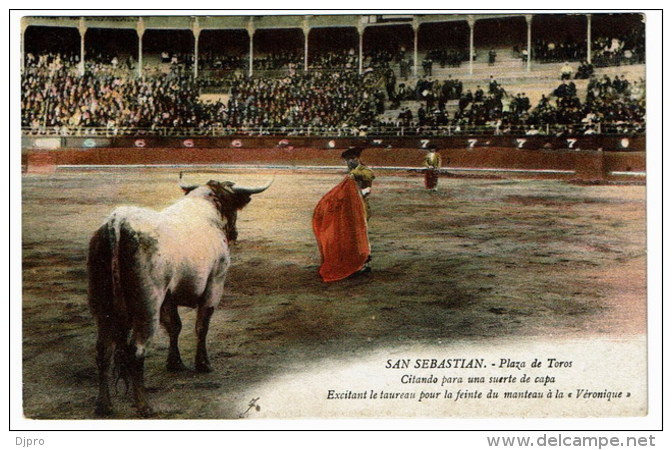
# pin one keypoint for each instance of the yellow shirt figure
(433, 160)
(364, 177)
(432, 169)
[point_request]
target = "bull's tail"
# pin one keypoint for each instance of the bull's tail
(115, 265)
(106, 294)
(120, 361)
(108, 306)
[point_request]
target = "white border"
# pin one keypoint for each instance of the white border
(86, 440)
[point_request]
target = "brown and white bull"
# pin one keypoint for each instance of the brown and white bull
(143, 264)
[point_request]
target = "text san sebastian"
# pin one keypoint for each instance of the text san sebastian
(434, 363)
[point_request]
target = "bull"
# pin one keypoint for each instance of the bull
(143, 264)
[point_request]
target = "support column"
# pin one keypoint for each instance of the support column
(305, 50)
(416, 27)
(306, 33)
(528, 19)
(250, 32)
(196, 30)
(23, 35)
(360, 30)
(82, 34)
(140, 29)
(471, 21)
(589, 39)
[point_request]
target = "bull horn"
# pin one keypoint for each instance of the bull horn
(186, 187)
(251, 190)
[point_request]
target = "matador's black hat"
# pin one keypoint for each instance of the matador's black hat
(352, 152)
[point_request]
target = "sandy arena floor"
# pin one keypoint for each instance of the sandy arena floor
(480, 260)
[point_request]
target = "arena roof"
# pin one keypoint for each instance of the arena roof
(254, 22)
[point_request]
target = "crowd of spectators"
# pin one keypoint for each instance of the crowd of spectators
(430, 89)
(62, 99)
(448, 57)
(606, 51)
(211, 60)
(282, 59)
(625, 48)
(549, 51)
(585, 71)
(616, 51)
(616, 104)
(55, 96)
(335, 60)
(609, 106)
(290, 62)
(480, 107)
(312, 99)
(271, 61)
(65, 100)
(51, 61)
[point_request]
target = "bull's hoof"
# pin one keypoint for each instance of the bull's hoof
(175, 366)
(103, 409)
(203, 367)
(145, 411)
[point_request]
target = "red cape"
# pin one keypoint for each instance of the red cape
(339, 224)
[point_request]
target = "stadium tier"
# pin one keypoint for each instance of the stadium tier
(334, 86)
(546, 80)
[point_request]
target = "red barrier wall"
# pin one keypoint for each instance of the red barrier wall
(589, 165)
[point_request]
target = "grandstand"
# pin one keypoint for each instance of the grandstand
(306, 82)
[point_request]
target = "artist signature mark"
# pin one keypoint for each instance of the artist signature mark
(253, 404)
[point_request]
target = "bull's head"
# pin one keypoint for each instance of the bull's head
(228, 199)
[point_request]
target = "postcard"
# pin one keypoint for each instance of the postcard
(333, 216)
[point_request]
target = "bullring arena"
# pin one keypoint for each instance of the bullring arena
(537, 232)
